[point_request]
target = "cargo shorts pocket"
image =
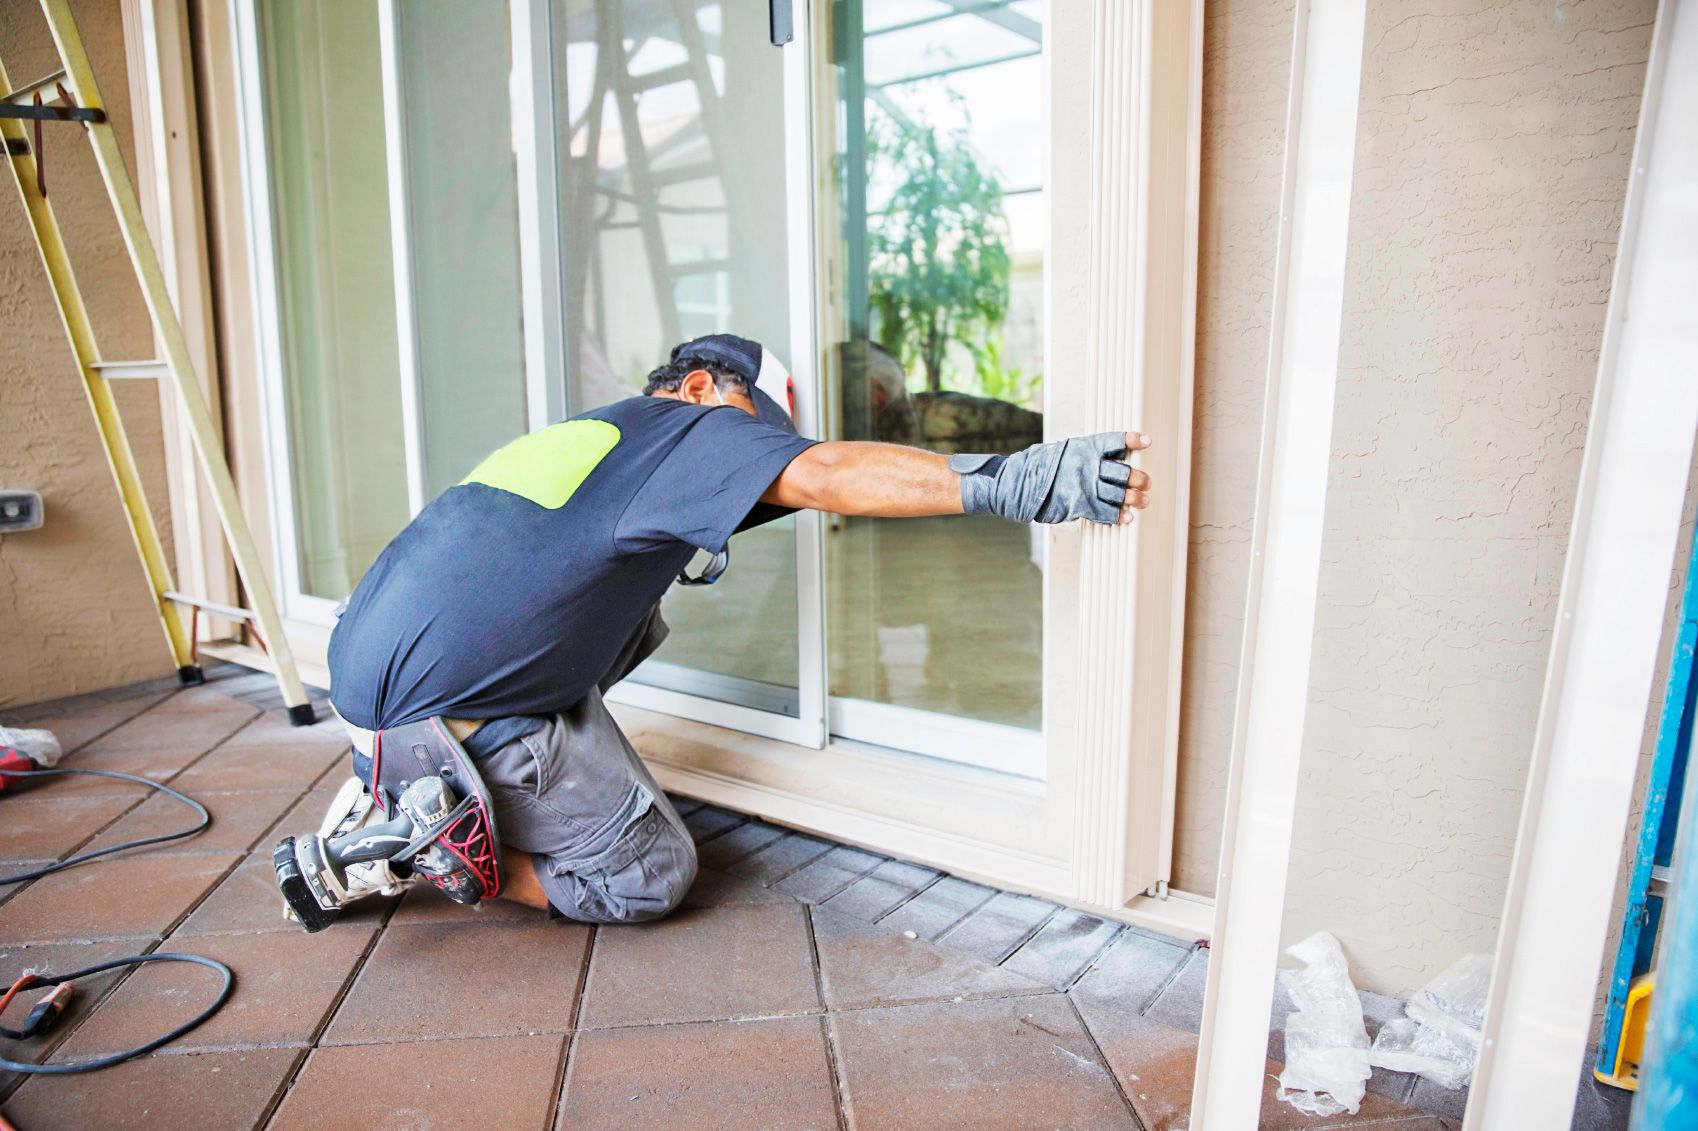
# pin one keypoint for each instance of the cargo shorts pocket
(639, 868)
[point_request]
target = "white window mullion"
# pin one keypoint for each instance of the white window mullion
(400, 229)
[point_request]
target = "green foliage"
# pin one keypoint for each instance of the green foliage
(938, 251)
(1002, 381)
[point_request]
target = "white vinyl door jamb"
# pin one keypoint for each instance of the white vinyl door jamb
(1609, 623)
(1273, 687)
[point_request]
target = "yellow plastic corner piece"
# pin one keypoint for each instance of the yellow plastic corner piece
(547, 467)
(1631, 1047)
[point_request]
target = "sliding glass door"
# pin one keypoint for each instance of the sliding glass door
(476, 217)
(682, 169)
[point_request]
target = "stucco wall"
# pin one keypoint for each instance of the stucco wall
(75, 613)
(1493, 148)
(1246, 79)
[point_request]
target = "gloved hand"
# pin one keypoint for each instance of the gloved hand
(1054, 482)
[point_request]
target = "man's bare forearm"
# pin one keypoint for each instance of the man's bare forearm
(861, 477)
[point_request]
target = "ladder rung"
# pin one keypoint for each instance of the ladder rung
(26, 93)
(666, 76)
(228, 612)
(684, 174)
(132, 370)
(1659, 880)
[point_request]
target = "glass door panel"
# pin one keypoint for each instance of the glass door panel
(329, 194)
(677, 224)
(458, 190)
(934, 234)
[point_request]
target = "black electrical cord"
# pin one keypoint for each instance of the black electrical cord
(119, 1057)
(205, 820)
(44, 1014)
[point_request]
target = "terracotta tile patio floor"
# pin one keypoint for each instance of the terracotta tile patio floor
(805, 985)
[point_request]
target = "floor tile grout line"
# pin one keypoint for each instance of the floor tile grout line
(329, 1014)
(832, 1062)
(785, 876)
(570, 1044)
(717, 833)
(1102, 1058)
(1172, 977)
(911, 897)
(1029, 935)
(851, 882)
(279, 1093)
(966, 915)
(1096, 956)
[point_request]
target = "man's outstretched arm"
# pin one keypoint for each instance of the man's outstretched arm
(1078, 478)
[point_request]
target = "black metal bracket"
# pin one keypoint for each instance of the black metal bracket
(52, 113)
(783, 22)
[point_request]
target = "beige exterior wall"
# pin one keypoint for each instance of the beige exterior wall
(1492, 158)
(75, 612)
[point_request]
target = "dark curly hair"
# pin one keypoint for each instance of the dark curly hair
(668, 377)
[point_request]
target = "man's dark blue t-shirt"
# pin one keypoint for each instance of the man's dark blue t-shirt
(512, 593)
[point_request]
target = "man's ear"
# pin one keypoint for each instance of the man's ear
(696, 385)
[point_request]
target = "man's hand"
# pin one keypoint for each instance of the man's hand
(1086, 477)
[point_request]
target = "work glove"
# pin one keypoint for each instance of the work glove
(1054, 482)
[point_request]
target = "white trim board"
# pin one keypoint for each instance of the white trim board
(1285, 562)
(1609, 620)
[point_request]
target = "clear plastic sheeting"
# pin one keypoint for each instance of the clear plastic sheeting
(40, 746)
(1439, 1036)
(1326, 1044)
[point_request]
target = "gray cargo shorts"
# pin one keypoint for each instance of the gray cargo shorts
(607, 845)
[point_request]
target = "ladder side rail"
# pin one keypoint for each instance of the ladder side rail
(190, 396)
(1640, 917)
(120, 459)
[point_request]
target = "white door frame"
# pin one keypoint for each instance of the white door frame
(1609, 625)
(1285, 562)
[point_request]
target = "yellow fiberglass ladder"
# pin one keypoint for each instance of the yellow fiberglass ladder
(70, 95)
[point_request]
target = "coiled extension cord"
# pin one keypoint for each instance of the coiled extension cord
(48, 1010)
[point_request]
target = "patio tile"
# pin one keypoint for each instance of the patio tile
(730, 847)
(780, 858)
(997, 929)
(238, 820)
(716, 889)
(710, 821)
(710, 964)
(158, 762)
(304, 815)
(825, 876)
(733, 1075)
(424, 905)
(507, 979)
(285, 985)
(1129, 974)
(115, 898)
(1061, 950)
(43, 824)
(490, 1082)
(58, 958)
(862, 964)
(209, 1092)
(79, 721)
(878, 891)
(938, 908)
(188, 723)
(266, 754)
(18, 868)
(248, 902)
(1180, 1002)
(979, 1065)
(1156, 1064)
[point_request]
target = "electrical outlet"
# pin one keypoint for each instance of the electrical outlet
(19, 510)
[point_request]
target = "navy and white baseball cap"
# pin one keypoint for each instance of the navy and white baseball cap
(769, 381)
